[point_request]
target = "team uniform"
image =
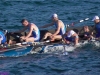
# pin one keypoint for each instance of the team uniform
(62, 30)
(69, 36)
(97, 26)
(2, 37)
(87, 34)
(35, 34)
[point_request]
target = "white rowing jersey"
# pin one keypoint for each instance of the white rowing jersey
(35, 33)
(62, 30)
(70, 33)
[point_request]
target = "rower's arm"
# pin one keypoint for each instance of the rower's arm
(30, 32)
(63, 38)
(47, 25)
(58, 29)
(76, 41)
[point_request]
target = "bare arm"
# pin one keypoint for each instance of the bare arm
(58, 29)
(30, 32)
(63, 38)
(47, 25)
(76, 41)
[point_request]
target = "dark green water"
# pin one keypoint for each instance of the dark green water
(83, 61)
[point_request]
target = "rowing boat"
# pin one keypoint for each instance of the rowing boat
(50, 48)
(15, 52)
(41, 47)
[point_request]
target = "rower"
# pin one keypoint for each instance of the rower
(87, 34)
(97, 26)
(2, 38)
(60, 29)
(71, 36)
(33, 34)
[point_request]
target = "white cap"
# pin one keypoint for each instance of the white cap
(70, 33)
(95, 18)
(55, 16)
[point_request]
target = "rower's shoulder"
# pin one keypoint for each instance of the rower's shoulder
(33, 24)
(60, 21)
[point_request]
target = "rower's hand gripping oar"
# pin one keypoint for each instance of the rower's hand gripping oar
(80, 21)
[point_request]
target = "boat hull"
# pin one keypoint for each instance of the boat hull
(16, 52)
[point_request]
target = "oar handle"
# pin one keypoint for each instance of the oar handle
(33, 43)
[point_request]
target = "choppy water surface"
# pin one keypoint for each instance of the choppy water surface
(82, 61)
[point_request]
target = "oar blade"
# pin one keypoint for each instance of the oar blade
(87, 19)
(81, 20)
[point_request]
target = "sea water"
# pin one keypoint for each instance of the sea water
(82, 61)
